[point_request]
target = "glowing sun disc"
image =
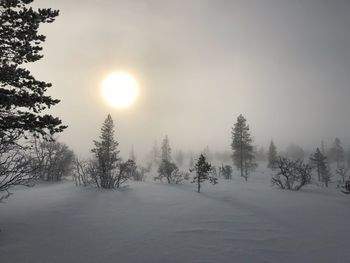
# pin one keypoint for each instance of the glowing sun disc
(120, 89)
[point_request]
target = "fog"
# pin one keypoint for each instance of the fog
(283, 64)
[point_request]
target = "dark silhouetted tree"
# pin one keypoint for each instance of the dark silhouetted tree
(106, 153)
(203, 169)
(243, 153)
(319, 160)
(22, 97)
(292, 174)
(51, 160)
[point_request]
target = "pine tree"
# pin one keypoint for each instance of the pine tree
(202, 169)
(320, 162)
(243, 153)
(337, 152)
(106, 153)
(272, 156)
(22, 97)
(166, 150)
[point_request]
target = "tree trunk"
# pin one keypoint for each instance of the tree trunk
(199, 184)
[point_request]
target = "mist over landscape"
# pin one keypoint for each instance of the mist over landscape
(199, 64)
(174, 131)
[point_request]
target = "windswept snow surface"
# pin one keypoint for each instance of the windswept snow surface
(234, 221)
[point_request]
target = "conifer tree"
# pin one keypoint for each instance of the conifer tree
(243, 151)
(106, 153)
(272, 156)
(320, 162)
(203, 169)
(165, 149)
(22, 97)
(337, 152)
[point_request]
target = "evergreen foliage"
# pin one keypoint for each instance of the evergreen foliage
(337, 152)
(203, 169)
(22, 97)
(165, 149)
(272, 156)
(243, 150)
(106, 153)
(320, 162)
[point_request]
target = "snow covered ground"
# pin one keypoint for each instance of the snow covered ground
(234, 221)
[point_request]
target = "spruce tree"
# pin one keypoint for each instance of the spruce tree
(106, 153)
(243, 151)
(22, 97)
(272, 156)
(337, 152)
(203, 169)
(320, 162)
(165, 149)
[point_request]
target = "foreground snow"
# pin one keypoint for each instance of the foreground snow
(234, 221)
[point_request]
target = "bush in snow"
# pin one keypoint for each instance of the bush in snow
(292, 174)
(170, 172)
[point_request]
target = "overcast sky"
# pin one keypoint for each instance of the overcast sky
(200, 63)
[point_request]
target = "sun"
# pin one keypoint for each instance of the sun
(120, 89)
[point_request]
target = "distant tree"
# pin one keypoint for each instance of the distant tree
(295, 152)
(51, 160)
(261, 154)
(342, 171)
(202, 169)
(179, 158)
(106, 153)
(169, 171)
(320, 162)
(292, 174)
(337, 152)
(22, 97)
(156, 155)
(226, 171)
(243, 154)
(272, 155)
(165, 149)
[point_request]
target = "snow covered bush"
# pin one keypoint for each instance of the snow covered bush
(292, 174)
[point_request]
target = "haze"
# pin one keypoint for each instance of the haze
(283, 64)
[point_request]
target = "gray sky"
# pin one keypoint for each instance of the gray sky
(200, 63)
